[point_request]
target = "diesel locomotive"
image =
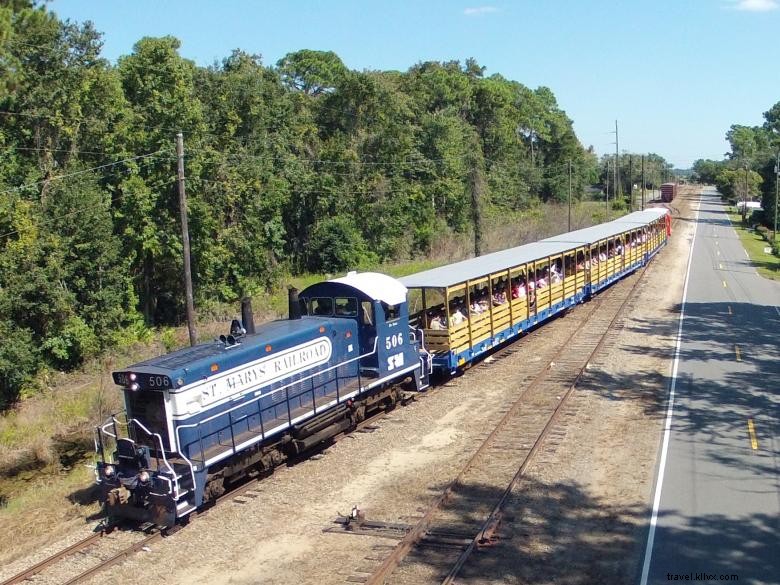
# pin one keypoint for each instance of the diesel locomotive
(201, 418)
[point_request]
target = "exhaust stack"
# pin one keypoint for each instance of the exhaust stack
(293, 305)
(247, 318)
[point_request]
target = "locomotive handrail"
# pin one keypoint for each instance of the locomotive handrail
(113, 422)
(171, 489)
(257, 398)
(175, 487)
(103, 429)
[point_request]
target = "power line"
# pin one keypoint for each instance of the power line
(81, 172)
(367, 191)
(66, 150)
(71, 213)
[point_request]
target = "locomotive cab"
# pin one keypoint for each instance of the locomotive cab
(377, 302)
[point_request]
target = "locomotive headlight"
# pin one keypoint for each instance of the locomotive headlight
(132, 377)
(134, 386)
(143, 477)
(109, 471)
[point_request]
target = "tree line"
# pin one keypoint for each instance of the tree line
(302, 165)
(748, 169)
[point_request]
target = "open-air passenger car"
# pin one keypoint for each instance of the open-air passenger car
(466, 308)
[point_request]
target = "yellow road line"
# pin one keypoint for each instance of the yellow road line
(738, 353)
(720, 266)
(724, 284)
(718, 251)
(752, 434)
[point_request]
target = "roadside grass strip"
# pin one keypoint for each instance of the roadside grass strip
(767, 264)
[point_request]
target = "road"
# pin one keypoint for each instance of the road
(717, 503)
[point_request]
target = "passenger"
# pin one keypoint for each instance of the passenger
(602, 256)
(456, 317)
(499, 297)
(484, 300)
(437, 322)
(475, 307)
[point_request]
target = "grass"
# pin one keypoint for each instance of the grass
(45, 509)
(767, 264)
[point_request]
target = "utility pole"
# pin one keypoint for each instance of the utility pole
(744, 202)
(185, 240)
(630, 183)
(606, 200)
(643, 182)
(617, 190)
(777, 192)
(570, 198)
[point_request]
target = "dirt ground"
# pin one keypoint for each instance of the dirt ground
(578, 519)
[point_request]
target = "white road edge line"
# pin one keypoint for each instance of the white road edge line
(669, 412)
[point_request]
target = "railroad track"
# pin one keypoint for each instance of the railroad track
(467, 515)
(98, 551)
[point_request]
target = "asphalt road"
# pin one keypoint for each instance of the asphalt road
(719, 509)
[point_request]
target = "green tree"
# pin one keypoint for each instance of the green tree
(312, 72)
(159, 87)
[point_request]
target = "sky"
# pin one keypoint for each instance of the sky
(675, 74)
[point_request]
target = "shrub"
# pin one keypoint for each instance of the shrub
(72, 344)
(19, 360)
(336, 244)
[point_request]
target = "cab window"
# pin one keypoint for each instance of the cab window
(321, 306)
(392, 312)
(345, 307)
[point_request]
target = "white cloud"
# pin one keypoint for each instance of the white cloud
(756, 5)
(479, 10)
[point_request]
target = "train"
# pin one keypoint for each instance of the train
(668, 192)
(201, 419)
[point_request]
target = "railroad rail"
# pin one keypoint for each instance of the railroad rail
(501, 460)
(93, 540)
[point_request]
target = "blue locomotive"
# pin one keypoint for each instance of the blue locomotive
(201, 418)
(205, 416)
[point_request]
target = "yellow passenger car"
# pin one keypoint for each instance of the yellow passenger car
(466, 308)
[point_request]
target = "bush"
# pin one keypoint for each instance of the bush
(19, 360)
(74, 343)
(336, 245)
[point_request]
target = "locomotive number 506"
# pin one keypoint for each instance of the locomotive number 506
(394, 340)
